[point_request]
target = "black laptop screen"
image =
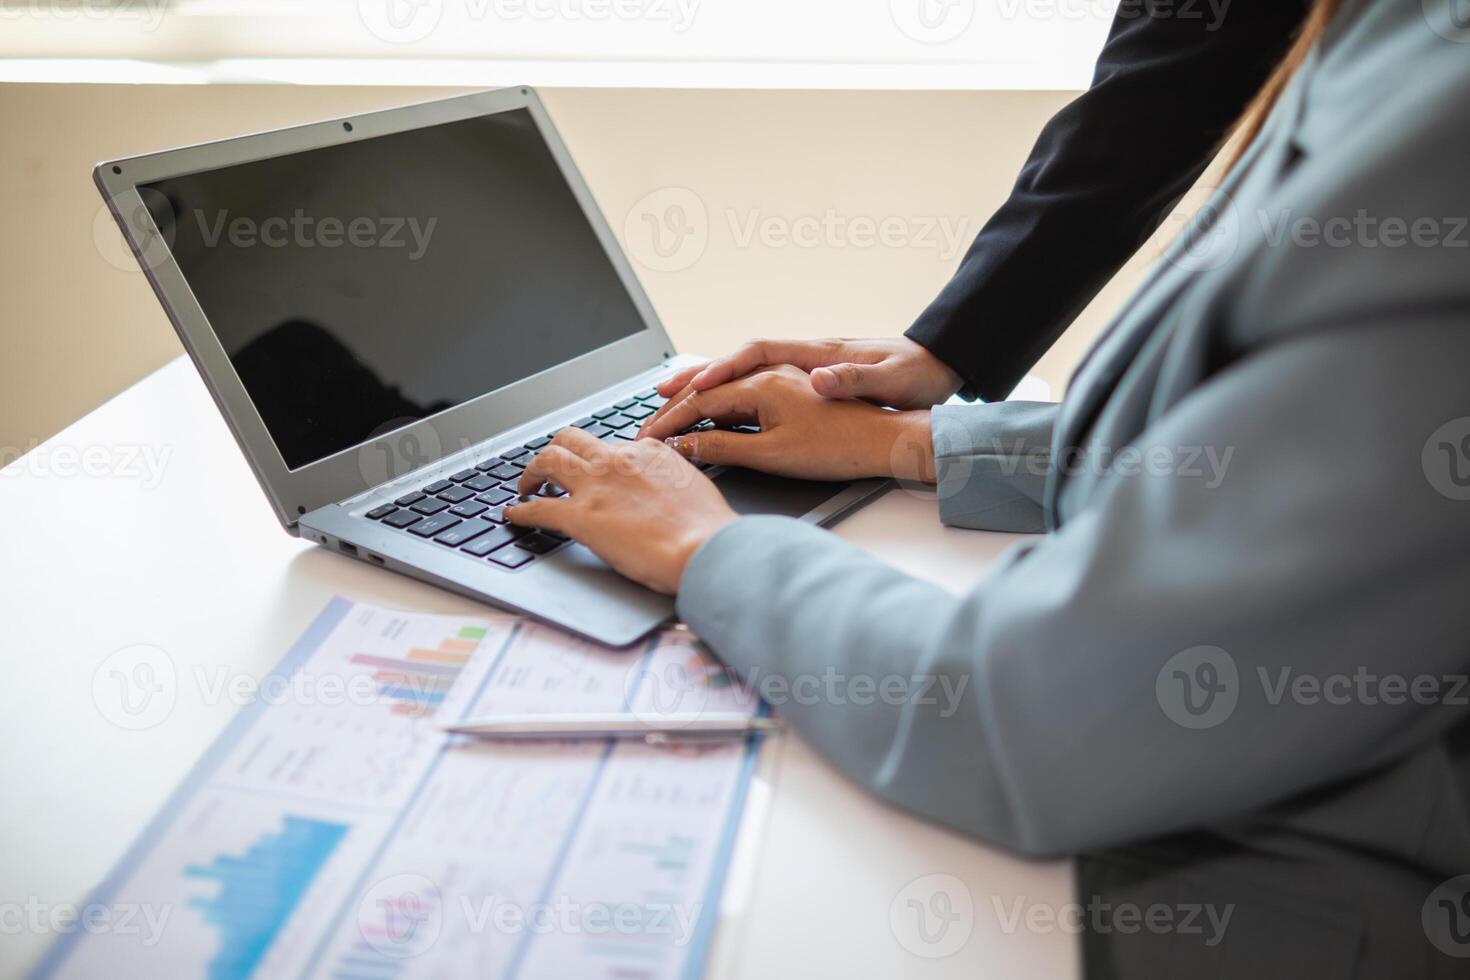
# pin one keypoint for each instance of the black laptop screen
(357, 288)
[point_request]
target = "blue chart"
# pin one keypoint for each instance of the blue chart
(260, 889)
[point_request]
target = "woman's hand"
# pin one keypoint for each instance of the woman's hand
(802, 433)
(888, 371)
(638, 505)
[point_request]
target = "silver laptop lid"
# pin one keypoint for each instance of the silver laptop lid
(367, 295)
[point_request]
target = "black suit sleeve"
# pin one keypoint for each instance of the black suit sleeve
(1104, 174)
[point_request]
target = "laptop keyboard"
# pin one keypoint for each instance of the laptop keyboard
(466, 512)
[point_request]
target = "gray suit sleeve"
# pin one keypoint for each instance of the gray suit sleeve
(1050, 709)
(991, 463)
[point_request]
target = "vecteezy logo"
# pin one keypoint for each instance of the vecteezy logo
(667, 230)
(1446, 459)
(1209, 237)
(932, 21)
(400, 21)
(135, 687)
(1198, 687)
(661, 687)
(1450, 19)
(1445, 917)
(933, 916)
(401, 915)
(398, 451)
(151, 228)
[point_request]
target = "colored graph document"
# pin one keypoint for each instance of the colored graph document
(336, 832)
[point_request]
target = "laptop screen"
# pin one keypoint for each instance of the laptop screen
(358, 288)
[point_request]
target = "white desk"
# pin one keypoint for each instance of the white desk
(99, 555)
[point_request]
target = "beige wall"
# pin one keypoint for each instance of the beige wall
(80, 323)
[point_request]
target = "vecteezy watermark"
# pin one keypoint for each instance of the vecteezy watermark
(1205, 920)
(957, 454)
(147, 14)
(136, 687)
(1210, 13)
(1212, 234)
(33, 916)
(1199, 687)
(403, 915)
(1446, 459)
(409, 21)
(402, 446)
(932, 917)
(668, 230)
(307, 231)
(944, 236)
(120, 461)
(1445, 917)
(1362, 687)
(1450, 19)
(932, 21)
(141, 242)
(674, 689)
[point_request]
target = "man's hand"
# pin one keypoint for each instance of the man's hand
(893, 371)
(638, 505)
(802, 434)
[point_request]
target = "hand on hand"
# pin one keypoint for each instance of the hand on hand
(637, 505)
(802, 433)
(889, 371)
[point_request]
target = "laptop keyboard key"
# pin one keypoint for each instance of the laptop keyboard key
(437, 486)
(618, 421)
(603, 413)
(626, 403)
(504, 471)
(464, 533)
(378, 513)
(456, 494)
(640, 412)
(491, 538)
(462, 475)
(646, 394)
(597, 430)
(537, 443)
(401, 519)
(538, 543)
(496, 497)
(584, 422)
(480, 483)
(470, 508)
(511, 557)
(409, 499)
(430, 526)
(429, 506)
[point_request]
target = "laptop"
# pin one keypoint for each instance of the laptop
(394, 312)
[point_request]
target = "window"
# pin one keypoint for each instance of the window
(886, 44)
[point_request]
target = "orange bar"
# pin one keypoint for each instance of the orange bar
(437, 657)
(467, 645)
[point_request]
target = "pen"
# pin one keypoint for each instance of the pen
(691, 727)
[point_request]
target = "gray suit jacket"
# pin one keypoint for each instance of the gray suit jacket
(1233, 668)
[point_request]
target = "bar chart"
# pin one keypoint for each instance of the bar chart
(260, 889)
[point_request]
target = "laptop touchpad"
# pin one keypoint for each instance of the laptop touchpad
(750, 492)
